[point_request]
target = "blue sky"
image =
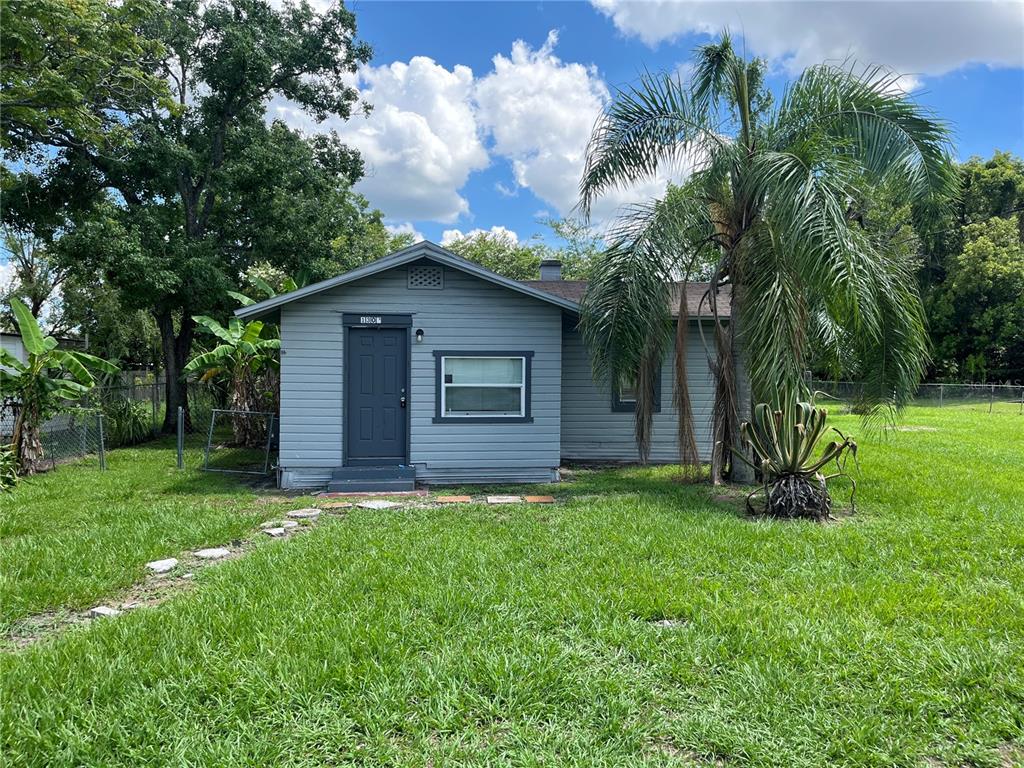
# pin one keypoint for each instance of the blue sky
(481, 110)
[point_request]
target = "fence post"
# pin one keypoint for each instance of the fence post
(940, 395)
(991, 396)
(1022, 401)
(103, 448)
(181, 437)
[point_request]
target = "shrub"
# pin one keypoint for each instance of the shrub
(783, 442)
(126, 422)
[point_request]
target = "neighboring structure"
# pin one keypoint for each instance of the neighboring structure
(423, 366)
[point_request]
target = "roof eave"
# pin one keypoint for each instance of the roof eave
(397, 259)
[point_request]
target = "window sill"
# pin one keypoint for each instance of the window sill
(483, 420)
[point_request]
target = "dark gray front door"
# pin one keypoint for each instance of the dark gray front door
(375, 396)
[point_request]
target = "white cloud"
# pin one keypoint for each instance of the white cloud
(918, 38)
(6, 275)
(449, 236)
(419, 142)
(405, 228)
(425, 133)
(540, 112)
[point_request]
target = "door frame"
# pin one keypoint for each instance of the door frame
(380, 321)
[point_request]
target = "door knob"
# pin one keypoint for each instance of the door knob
(402, 401)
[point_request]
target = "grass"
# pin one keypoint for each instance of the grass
(528, 635)
(71, 536)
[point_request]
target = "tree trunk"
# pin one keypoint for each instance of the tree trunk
(27, 443)
(740, 472)
(249, 428)
(175, 349)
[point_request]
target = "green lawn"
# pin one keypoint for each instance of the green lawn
(528, 635)
(71, 536)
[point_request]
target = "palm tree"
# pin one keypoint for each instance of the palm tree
(240, 357)
(48, 380)
(772, 204)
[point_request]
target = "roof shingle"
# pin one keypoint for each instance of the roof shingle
(573, 290)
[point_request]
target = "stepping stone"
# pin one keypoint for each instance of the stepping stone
(275, 532)
(337, 505)
(162, 566)
(540, 499)
(279, 524)
(305, 514)
(214, 553)
(504, 499)
(453, 499)
(103, 611)
(669, 623)
(379, 504)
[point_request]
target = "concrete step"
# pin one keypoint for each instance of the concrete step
(370, 486)
(372, 479)
(398, 472)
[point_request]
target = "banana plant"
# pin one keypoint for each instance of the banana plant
(784, 444)
(243, 354)
(43, 385)
(288, 285)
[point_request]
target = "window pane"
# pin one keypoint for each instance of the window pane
(483, 370)
(493, 401)
(627, 389)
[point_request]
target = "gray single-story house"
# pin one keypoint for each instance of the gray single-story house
(425, 367)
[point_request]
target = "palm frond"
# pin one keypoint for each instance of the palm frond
(644, 127)
(713, 73)
(871, 119)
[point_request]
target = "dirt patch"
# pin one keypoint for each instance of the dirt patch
(1010, 755)
(670, 749)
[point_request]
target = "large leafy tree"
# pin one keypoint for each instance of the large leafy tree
(44, 383)
(503, 253)
(771, 197)
(72, 70)
(198, 192)
(974, 275)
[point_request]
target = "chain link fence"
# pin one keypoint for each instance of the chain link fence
(1004, 399)
(72, 434)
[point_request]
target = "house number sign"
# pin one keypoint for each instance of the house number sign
(370, 319)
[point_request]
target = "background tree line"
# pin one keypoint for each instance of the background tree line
(971, 271)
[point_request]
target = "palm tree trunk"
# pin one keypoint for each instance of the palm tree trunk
(740, 472)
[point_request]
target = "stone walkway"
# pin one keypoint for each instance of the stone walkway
(168, 576)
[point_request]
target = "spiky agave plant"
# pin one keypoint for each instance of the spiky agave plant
(783, 442)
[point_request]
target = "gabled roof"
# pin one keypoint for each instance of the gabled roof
(573, 290)
(420, 250)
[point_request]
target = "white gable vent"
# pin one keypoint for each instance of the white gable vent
(426, 278)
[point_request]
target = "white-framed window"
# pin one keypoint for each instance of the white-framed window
(491, 386)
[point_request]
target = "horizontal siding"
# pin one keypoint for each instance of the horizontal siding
(468, 314)
(591, 431)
